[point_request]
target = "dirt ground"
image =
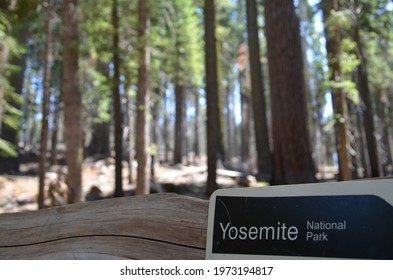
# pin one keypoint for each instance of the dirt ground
(19, 193)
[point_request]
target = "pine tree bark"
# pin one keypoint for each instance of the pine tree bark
(131, 138)
(360, 141)
(245, 112)
(292, 158)
(166, 128)
(45, 104)
(117, 104)
(72, 100)
(55, 132)
(338, 96)
(143, 100)
(197, 145)
(211, 94)
(179, 124)
(229, 128)
(310, 95)
(245, 104)
(386, 141)
(220, 105)
(258, 94)
(155, 139)
(368, 111)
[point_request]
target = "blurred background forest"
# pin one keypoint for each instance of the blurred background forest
(103, 98)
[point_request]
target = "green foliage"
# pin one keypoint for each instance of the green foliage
(339, 20)
(95, 56)
(348, 60)
(7, 150)
(230, 33)
(97, 94)
(177, 38)
(376, 23)
(11, 115)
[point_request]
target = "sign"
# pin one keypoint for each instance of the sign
(327, 220)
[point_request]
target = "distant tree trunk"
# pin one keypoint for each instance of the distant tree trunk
(368, 117)
(197, 145)
(117, 104)
(384, 108)
(131, 138)
(292, 158)
(232, 135)
(154, 133)
(242, 60)
(229, 129)
(45, 104)
(258, 94)
(245, 112)
(312, 122)
(353, 137)
(55, 131)
(211, 93)
(179, 124)
(72, 100)
(220, 105)
(99, 144)
(143, 100)
(360, 142)
(338, 96)
(383, 115)
(166, 126)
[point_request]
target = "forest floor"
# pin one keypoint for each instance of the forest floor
(19, 192)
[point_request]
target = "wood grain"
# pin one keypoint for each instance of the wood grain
(160, 226)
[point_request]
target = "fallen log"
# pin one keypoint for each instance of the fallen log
(159, 226)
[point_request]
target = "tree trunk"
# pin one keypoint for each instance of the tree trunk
(220, 104)
(131, 138)
(166, 127)
(99, 144)
(258, 95)
(117, 104)
(229, 128)
(368, 114)
(338, 96)
(245, 112)
(45, 104)
(310, 95)
(211, 93)
(242, 60)
(292, 158)
(383, 115)
(55, 132)
(72, 99)
(197, 145)
(363, 159)
(179, 124)
(143, 100)
(154, 133)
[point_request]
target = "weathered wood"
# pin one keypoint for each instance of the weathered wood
(160, 226)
